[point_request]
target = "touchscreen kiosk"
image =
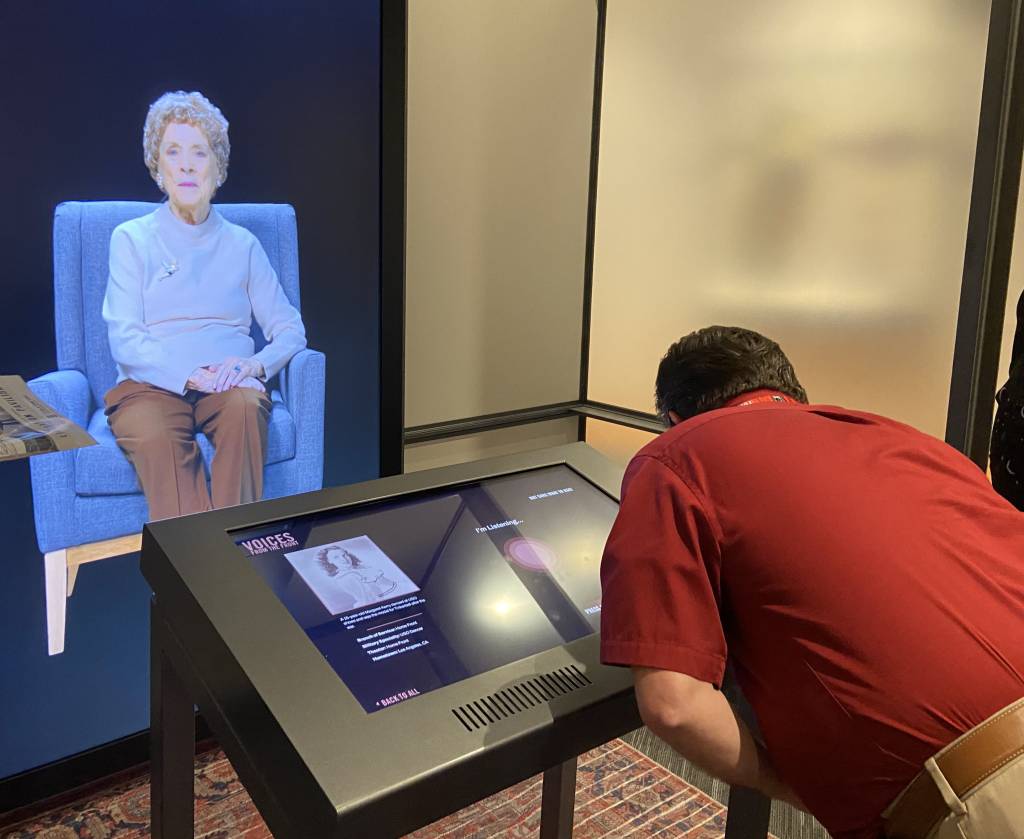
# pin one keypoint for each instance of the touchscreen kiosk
(377, 656)
(403, 597)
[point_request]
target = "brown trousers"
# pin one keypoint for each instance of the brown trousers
(157, 430)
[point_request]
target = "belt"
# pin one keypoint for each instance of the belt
(965, 763)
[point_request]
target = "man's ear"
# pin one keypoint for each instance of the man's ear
(674, 418)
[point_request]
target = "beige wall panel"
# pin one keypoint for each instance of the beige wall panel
(616, 442)
(524, 438)
(796, 167)
(500, 97)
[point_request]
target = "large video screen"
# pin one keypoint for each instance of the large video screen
(403, 597)
(196, 288)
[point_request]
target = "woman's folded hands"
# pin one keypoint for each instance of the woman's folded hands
(212, 378)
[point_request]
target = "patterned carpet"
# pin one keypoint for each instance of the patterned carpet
(619, 792)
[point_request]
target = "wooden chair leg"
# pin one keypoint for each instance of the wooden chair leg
(62, 571)
(56, 570)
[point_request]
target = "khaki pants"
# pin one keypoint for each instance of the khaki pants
(157, 430)
(994, 809)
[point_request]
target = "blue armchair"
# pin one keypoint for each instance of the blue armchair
(88, 504)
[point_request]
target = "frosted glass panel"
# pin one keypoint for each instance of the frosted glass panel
(616, 442)
(523, 438)
(500, 102)
(796, 167)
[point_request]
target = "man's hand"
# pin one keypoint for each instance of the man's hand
(232, 371)
(697, 721)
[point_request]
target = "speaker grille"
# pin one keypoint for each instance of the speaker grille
(521, 696)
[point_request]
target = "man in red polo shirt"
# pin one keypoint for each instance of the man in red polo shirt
(863, 578)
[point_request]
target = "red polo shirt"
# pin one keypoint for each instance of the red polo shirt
(864, 579)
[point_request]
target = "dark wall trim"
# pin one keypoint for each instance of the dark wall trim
(488, 422)
(28, 793)
(509, 419)
(618, 415)
(393, 76)
(588, 259)
(69, 774)
(990, 226)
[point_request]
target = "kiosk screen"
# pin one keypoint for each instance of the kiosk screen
(405, 596)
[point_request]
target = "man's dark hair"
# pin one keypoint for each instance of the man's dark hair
(705, 369)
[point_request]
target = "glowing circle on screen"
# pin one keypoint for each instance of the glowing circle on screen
(532, 554)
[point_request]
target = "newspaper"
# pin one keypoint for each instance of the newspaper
(29, 426)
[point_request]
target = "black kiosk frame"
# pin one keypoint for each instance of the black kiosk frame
(314, 761)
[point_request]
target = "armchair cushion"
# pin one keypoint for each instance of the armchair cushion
(66, 391)
(302, 386)
(104, 469)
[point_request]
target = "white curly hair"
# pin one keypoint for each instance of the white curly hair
(192, 108)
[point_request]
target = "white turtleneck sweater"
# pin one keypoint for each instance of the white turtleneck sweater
(183, 296)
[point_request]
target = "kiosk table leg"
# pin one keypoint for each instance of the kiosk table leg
(172, 742)
(748, 814)
(557, 801)
(749, 811)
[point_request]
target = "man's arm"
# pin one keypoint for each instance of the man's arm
(698, 722)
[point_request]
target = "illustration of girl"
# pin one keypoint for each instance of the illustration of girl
(364, 583)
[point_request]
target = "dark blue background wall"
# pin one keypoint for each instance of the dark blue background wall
(299, 83)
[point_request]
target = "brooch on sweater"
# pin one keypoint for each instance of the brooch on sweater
(169, 266)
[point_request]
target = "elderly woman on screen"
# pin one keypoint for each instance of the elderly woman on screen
(184, 287)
